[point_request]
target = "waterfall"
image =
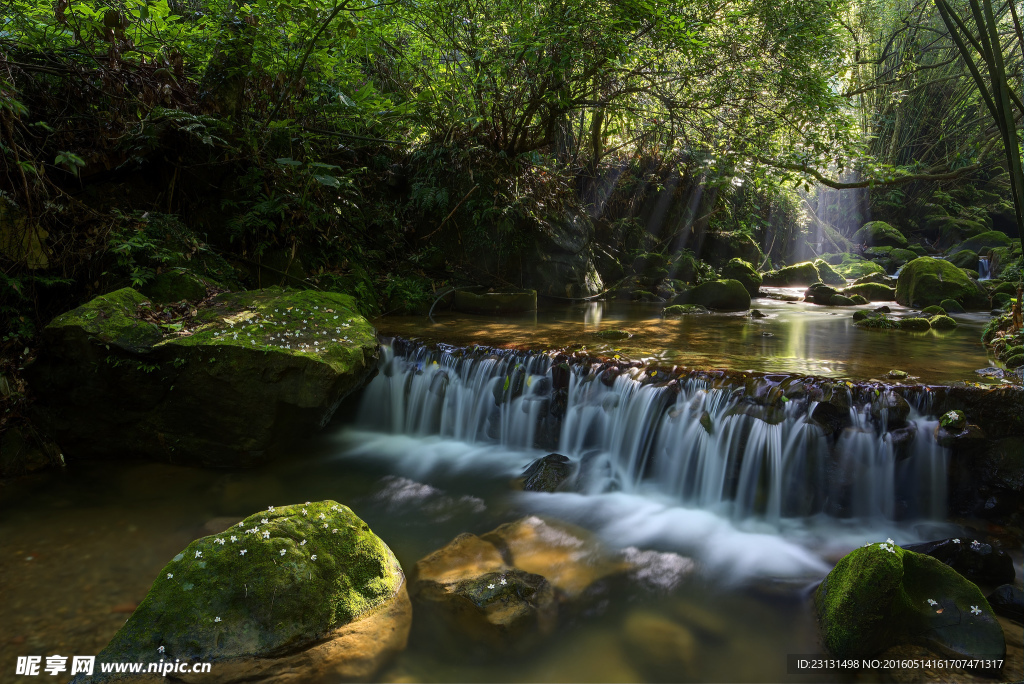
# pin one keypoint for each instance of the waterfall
(983, 269)
(766, 448)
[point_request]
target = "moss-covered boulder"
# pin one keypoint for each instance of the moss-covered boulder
(722, 295)
(859, 269)
(743, 271)
(983, 242)
(178, 284)
(942, 322)
(926, 281)
(933, 310)
(915, 323)
(719, 248)
(879, 233)
(802, 274)
(306, 589)
(827, 274)
(873, 292)
(880, 596)
(249, 371)
(964, 259)
(859, 299)
(547, 474)
(952, 306)
(820, 294)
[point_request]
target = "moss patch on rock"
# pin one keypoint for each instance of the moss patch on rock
(279, 580)
(941, 322)
(859, 269)
(109, 320)
(684, 310)
(827, 274)
(873, 292)
(723, 295)
(984, 241)
(744, 272)
(802, 274)
(926, 281)
(879, 233)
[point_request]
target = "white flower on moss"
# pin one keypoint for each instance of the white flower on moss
(891, 550)
(503, 581)
(199, 554)
(161, 649)
(976, 610)
(975, 544)
(334, 531)
(889, 541)
(243, 552)
(270, 508)
(282, 552)
(264, 521)
(490, 586)
(302, 543)
(170, 575)
(266, 535)
(322, 516)
(216, 619)
(956, 541)
(304, 512)
(234, 538)
(220, 541)
(313, 557)
(932, 602)
(326, 526)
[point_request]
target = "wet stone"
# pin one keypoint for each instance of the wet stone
(1008, 600)
(975, 560)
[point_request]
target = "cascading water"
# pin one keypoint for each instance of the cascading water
(983, 269)
(771, 450)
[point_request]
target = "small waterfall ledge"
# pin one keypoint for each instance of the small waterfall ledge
(746, 445)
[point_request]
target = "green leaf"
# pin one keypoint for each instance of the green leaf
(329, 181)
(287, 161)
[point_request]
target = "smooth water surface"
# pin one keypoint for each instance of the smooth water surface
(796, 337)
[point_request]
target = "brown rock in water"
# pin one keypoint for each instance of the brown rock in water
(663, 649)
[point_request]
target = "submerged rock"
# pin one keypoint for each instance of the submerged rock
(881, 596)
(306, 589)
(684, 310)
(975, 560)
(661, 648)
(547, 474)
(253, 370)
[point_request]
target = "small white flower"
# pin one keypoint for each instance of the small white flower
(490, 586)
(234, 538)
(932, 602)
(889, 541)
(170, 575)
(313, 557)
(161, 649)
(270, 508)
(216, 619)
(325, 526)
(243, 552)
(891, 550)
(867, 545)
(220, 541)
(282, 552)
(975, 544)
(199, 554)
(307, 503)
(503, 581)
(302, 543)
(304, 512)
(956, 541)
(335, 508)
(322, 516)
(976, 610)
(334, 531)
(264, 521)
(266, 535)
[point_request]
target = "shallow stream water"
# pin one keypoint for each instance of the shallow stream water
(82, 546)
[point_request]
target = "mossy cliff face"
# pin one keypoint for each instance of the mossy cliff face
(880, 595)
(926, 281)
(250, 598)
(258, 369)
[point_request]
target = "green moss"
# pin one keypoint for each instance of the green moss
(266, 600)
(684, 309)
(176, 285)
(1015, 361)
(859, 269)
(743, 271)
(951, 306)
(111, 319)
(984, 241)
(942, 322)
(964, 259)
(840, 300)
(860, 316)
(926, 281)
(613, 334)
(827, 274)
(880, 321)
(879, 233)
(859, 299)
(873, 292)
(902, 256)
(724, 295)
(953, 420)
(915, 324)
(933, 310)
(803, 273)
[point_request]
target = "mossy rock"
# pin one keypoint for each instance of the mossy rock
(926, 281)
(722, 295)
(954, 420)
(876, 321)
(827, 274)
(984, 241)
(1006, 288)
(971, 273)
(942, 322)
(1015, 361)
(880, 596)
(879, 233)
(256, 370)
(859, 269)
(839, 300)
(684, 310)
(859, 299)
(719, 248)
(613, 335)
(915, 324)
(952, 306)
(964, 259)
(1000, 300)
(744, 272)
(934, 310)
(820, 294)
(176, 285)
(802, 274)
(880, 278)
(880, 251)
(254, 597)
(873, 292)
(919, 250)
(902, 256)
(860, 316)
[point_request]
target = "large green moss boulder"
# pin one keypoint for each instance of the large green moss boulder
(983, 242)
(964, 258)
(859, 268)
(743, 271)
(306, 588)
(942, 322)
(933, 310)
(797, 275)
(719, 248)
(827, 274)
(952, 306)
(880, 596)
(873, 292)
(248, 372)
(915, 324)
(723, 295)
(926, 281)
(879, 233)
